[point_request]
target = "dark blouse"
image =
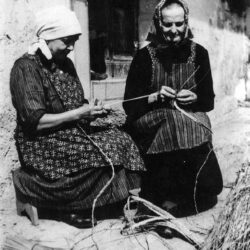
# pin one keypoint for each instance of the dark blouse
(33, 94)
(140, 73)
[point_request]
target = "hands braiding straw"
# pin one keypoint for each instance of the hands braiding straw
(185, 96)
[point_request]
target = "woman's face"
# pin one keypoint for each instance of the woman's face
(173, 23)
(61, 47)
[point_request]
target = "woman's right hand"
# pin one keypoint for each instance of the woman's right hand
(164, 94)
(87, 111)
(95, 109)
(167, 93)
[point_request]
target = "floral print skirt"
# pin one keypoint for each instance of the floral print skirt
(65, 170)
(69, 151)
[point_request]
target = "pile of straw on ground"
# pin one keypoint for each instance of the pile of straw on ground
(162, 222)
(232, 229)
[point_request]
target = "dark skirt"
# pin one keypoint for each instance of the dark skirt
(65, 170)
(176, 174)
(74, 193)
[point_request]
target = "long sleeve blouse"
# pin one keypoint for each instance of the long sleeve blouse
(34, 94)
(139, 81)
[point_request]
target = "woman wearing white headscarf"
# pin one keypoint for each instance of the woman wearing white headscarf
(62, 171)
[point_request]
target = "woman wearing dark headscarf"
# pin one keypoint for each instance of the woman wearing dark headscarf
(64, 163)
(170, 123)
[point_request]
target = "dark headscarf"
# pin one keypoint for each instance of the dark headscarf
(167, 52)
(155, 33)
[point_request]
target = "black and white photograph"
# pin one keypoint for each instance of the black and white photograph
(125, 124)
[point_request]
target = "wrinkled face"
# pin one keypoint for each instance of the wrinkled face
(173, 24)
(61, 47)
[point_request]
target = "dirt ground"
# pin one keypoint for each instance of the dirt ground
(231, 142)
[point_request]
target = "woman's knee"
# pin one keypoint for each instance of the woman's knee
(209, 175)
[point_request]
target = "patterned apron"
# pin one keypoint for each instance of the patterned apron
(67, 150)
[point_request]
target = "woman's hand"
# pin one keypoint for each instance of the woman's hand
(164, 94)
(167, 93)
(97, 109)
(186, 97)
(87, 111)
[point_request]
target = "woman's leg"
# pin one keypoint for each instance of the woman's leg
(159, 182)
(207, 173)
(203, 177)
(191, 178)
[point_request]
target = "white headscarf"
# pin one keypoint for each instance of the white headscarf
(53, 23)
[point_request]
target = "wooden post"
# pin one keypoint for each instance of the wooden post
(82, 58)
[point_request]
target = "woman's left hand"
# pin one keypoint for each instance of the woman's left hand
(186, 97)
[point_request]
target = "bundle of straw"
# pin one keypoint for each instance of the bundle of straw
(232, 229)
(161, 218)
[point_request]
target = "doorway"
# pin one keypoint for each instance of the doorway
(113, 31)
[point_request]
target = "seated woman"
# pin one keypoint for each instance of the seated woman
(64, 164)
(173, 76)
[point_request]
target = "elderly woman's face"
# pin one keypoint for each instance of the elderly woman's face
(173, 24)
(61, 47)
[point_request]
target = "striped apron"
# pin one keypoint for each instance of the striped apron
(166, 128)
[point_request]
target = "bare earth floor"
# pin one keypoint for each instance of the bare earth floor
(231, 142)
